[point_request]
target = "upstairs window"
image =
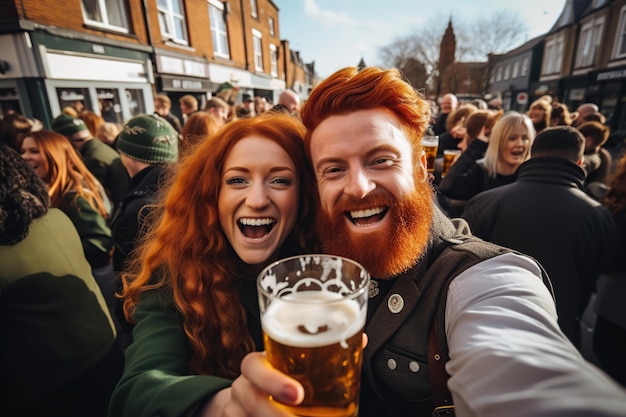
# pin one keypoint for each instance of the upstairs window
(273, 60)
(254, 10)
(620, 41)
(590, 35)
(515, 70)
(258, 50)
(108, 14)
(553, 55)
(524, 67)
(270, 23)
(219, 30)
(172, 20)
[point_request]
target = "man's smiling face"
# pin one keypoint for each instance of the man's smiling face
(375, 204)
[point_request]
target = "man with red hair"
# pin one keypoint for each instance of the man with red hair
(491, 314)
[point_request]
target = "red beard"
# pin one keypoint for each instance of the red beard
(388, 252)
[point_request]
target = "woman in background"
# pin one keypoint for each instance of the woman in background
(76, 192)
(503, 150)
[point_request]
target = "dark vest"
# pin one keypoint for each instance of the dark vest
(395, 366)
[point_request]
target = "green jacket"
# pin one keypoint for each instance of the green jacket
(157, 380)
(92, 229)
(105, 164)
(55, 328)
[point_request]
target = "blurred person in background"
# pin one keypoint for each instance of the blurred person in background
(58, 351)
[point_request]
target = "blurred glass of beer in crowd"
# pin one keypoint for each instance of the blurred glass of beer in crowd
(430, 145)
(449, 156)
(313, 311)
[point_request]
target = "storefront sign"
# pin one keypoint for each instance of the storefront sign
(612, 75)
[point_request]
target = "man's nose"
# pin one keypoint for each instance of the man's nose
(359, 184)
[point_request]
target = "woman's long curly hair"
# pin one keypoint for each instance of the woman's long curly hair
(615, 198)
(188, 254)
(349, 90)
(66, 172)
(23, 196)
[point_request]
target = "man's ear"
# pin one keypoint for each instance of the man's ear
(422, 164)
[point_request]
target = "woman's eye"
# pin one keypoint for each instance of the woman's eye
(282, 181)
(235, 180)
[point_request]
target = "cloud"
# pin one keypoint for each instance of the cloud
(331, 18)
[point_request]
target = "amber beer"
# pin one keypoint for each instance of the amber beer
(449, 156)
(322, 350)
(430, 145)
(313, 323)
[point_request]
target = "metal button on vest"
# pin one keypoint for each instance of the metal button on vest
(414, 366)
(391, 363)
(395, 303)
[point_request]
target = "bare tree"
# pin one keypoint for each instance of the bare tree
(493, 34)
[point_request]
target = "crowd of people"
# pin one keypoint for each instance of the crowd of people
(129, 253)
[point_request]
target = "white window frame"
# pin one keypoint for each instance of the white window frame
(270, 23)
(273, 60)
(553, 55)
(515, 70)
(254, 9)
(102, 7)
(499, 74)
(524, 71)
(257, 41)
(590, 35)
(219, 29)
(168, 18)
(507, 71)
(620, 35)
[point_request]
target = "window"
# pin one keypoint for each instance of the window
(590, 35)
(507, 72)
(273, 60)
(258, 50)
(515, 70)
(499, 74)
(524, 67)
(553, 55)
(253, 8)
(110, 14)
(219, 31)
(270, 23)
(620, 51)
(172, 20)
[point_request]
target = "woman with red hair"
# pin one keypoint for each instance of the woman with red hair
(73, 189)
(238, 202)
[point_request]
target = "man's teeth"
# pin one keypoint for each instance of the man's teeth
(256, 222)
(359, 214)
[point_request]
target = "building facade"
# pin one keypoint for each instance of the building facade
(114, 56)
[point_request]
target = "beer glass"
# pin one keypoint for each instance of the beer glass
(449, 156)
(430, 145)
(313, 311)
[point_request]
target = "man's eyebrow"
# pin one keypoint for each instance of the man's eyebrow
(369, 154)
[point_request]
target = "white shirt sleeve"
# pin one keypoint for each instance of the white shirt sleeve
(508, 356)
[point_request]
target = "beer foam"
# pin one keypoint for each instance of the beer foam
(308, 319)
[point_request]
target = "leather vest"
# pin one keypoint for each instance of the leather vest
(395, 366)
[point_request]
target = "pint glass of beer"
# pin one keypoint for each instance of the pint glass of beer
(313, 311)
(430, 145)
(449, 156)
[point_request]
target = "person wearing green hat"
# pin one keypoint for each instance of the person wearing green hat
(101, 160)
(147, 145)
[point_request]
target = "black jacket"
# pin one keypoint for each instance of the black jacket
(548, 216)
(131, 214)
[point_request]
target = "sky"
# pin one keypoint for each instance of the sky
(338, 33)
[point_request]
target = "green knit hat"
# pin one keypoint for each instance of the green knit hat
(150, 139)
(68, 125)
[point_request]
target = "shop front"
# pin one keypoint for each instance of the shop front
(53, 72)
